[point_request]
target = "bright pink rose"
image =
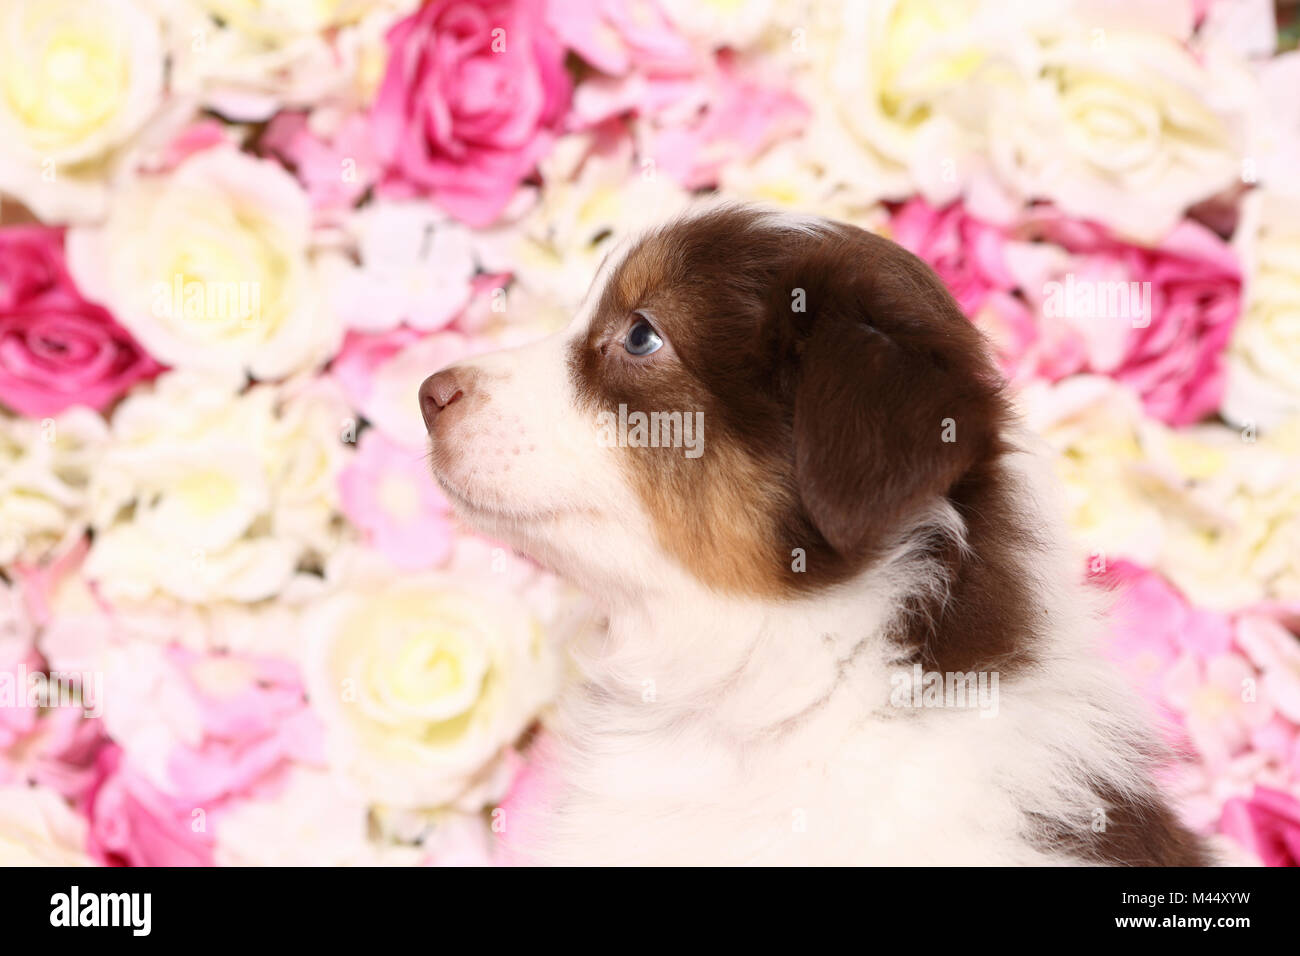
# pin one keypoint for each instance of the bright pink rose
(1189, 297)
(471, 99)
(966, 252)
(386, 492)
(1268, 825)
(57, 349)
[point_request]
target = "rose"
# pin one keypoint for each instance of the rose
(45, 473)
(208, 494)
(970, 256)
(1127, 127)
(904, 87)
(77, 82)
(1264, 354)
(1180, 301)
(388, 493)
(616, 37)
(208, 266)
(37, 828)
(1268, 824)
(469, 104)
(247, 60)
(56, 349)
(423, 681)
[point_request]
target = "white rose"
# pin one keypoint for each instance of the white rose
(207, 494)
(45, 473)
(423, 681)
(208, 267)
(38, 828)
(248, 59)
(1264, 354)
(77, 82)
(1125, 127)
(901, 90)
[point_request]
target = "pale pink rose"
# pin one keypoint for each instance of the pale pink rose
(1221, 702)
(57, 349)
(738, 119)
(470, 101)
(134, 824)
(1187, 299)
(388, 492)
(618, 36)
(1276, 652)
(335, 169)
(1152, 625)
(253, 718)
(1268, 824)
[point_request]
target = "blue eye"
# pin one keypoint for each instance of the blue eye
(642, 339)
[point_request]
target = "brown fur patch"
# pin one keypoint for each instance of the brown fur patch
(1138, 833)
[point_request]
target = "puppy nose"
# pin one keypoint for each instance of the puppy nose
(438, 391)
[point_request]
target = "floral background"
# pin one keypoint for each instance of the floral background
(236, 235)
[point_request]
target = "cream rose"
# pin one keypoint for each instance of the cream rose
(45, 474)
(423, 681)
(209, 494)
(1264, 354)
(1127, 128)
(248, 59)
(208, 267)
(77, 82)
(38, 828)
(901, 90)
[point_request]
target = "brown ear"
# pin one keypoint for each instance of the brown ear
(888, 415)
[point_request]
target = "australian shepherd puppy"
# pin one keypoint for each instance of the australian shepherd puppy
(843, 624)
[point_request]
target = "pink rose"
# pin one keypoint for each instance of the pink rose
(693, 124)
(1268, 824)
(387, 493)
(966, 252)
(1185, 299)
(1152, 623)
(470, 102)
(57, 349)
(616, 36)
(133, 824)
(336, 168)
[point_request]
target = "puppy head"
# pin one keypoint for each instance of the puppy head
(764, 403)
